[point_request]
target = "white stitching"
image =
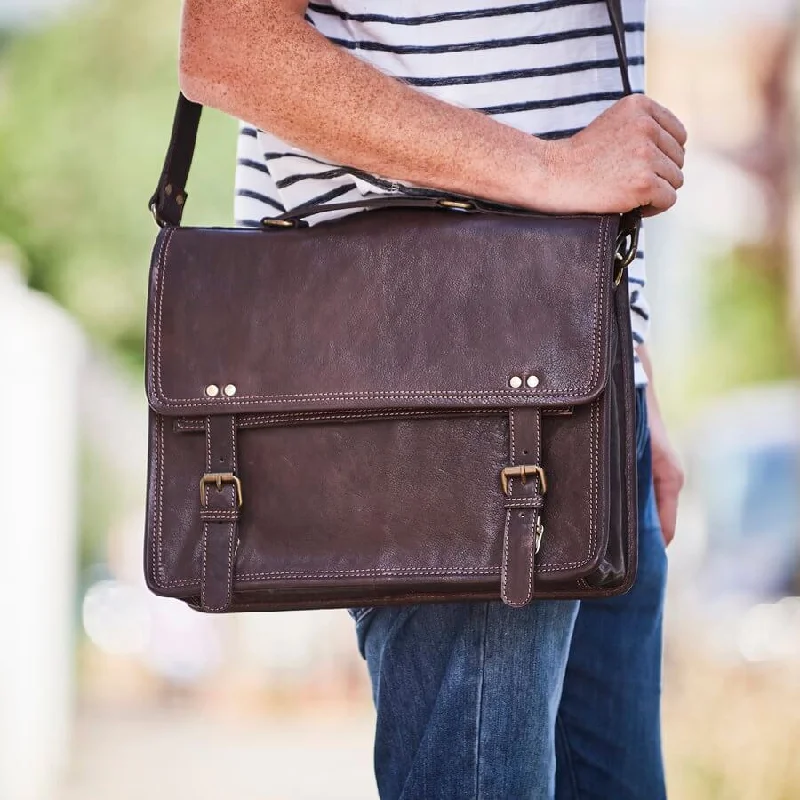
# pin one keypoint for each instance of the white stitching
(474, 394)
(504, 567)
(207, 426)
(600, 294)
(465, 571)
(299, 417)
(460, 572)
(229, 573)
(630, 510)
(160, 281)
(228, 514)
(534, 518)
(192, 424)
(158, 569)
(203, 564)
(593, 449)
(163, 581)
(233, 445)
(521, 503)
(457, 571)
(205, 524)
(223, 515)
(229, 582)
(511, 438)
(520, 400)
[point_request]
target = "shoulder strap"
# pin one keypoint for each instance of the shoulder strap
(618, 32)
(169, 198)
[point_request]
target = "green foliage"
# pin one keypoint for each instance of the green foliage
(748, 339)
(85, 112)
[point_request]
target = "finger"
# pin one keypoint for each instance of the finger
(669, 146)
(659, 196)
(667, 505)
(669, 122)
(669, 171)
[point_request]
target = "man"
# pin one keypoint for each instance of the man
(474, 700)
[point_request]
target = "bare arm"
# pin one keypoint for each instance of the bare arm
(259, 60)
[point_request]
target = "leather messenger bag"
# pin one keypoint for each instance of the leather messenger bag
(429, 401)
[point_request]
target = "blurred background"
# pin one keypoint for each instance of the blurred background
(107, 692)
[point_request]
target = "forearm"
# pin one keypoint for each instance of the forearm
(285, 77)
(259, 60)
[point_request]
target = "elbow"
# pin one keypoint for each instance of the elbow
(203, 73)
(195, 78)
(209, 83)
(196, 53)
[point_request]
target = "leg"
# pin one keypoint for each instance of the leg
(466, 696)
(609, 724)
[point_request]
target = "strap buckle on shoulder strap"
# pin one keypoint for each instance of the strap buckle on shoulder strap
(169, 197)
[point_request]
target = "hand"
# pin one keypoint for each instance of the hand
(631, 156)
(668, 474)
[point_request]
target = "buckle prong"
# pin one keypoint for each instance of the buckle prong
(218, 479)
(522, 471)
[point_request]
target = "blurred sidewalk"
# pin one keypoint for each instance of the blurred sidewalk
(185, 754)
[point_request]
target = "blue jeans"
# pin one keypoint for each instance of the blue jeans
(479, 701)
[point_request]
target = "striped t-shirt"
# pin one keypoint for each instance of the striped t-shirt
(548, 68)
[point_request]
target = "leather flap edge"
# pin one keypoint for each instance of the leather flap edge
(341, 317)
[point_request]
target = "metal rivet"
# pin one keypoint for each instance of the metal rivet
(532, 382)
(212, 390)
(168, 190)
(180, 199)
(230, 390)
(515, 381)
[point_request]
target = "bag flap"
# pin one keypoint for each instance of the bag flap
(386, 309)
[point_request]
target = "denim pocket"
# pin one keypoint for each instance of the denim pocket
(358, 614)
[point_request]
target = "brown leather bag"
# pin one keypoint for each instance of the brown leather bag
(430, 401)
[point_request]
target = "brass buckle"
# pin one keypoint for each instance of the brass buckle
(522, 471)
(218, 478)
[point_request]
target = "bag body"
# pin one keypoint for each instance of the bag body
(375, 390)
(430, 401)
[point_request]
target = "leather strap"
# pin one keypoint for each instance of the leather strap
(219, 512)
(618, 32)
(169, 197)
(523, 504)
(466, 205)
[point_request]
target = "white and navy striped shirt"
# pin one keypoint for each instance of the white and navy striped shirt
(547, 67)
